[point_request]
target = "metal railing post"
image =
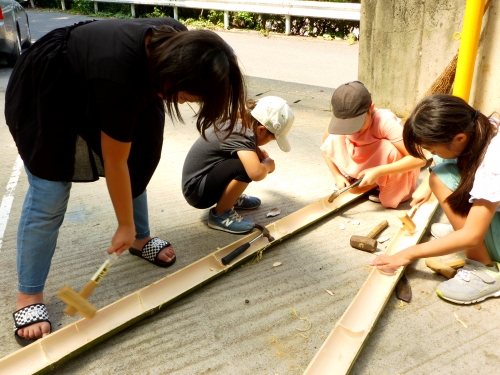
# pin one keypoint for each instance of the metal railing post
(96, 8)
(226, 19)
(63, 5)
(132, 10)
(176, 13)
(287, 24)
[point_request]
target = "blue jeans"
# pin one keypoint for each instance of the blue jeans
(41, 217)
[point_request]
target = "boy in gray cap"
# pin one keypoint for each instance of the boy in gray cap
(364, 142)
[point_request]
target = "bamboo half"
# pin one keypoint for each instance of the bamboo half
(339, 351)
(45, 354)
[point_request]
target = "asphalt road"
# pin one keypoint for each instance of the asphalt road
(293, 59)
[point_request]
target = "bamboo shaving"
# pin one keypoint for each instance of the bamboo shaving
(256, 259)
(304, 319)
(329, 292)
(458, 320)
(401, 305)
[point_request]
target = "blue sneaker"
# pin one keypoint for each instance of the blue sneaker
(229, 221)
(246, 202)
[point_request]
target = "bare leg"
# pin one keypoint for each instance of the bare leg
(441, 191)
(232, 192)
(37, 330)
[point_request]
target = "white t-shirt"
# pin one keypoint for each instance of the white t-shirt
(487, 179)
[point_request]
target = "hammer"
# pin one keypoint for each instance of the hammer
(405, 218)
(448, 269)
(78, 301)
(241, 249)
(368, 243)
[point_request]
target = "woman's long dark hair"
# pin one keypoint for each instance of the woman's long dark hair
(436, 120)
(200, 63)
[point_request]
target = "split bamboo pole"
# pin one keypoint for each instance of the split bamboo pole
(47, 353)
(339, 351)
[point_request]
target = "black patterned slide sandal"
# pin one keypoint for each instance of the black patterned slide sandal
(27, 316)
(151, 250)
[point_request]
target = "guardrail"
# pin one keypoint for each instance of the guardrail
(287, 8)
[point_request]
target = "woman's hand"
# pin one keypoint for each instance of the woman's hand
(390, 263)
(341, 181)
(122, 240)
(369, 176)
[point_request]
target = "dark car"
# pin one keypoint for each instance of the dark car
(14, 30)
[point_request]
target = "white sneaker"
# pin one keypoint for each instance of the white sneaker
(473, 283)
(439, 230)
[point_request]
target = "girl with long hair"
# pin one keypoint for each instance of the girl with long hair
(468, 191)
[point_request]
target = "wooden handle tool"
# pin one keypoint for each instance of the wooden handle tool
(336, 193)
(367, 243)
(448, 269)
(405, 218)
(77, 302)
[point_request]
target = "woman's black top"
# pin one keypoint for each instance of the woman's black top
(80, 80)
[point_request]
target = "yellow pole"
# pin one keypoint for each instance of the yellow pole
(471, 31)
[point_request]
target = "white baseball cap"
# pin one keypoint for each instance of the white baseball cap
(277, 117)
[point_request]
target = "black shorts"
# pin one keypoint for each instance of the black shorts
(218, 178)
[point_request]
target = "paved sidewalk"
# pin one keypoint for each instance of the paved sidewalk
(213, 330)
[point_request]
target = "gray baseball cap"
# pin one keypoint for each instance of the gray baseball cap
(350, 104)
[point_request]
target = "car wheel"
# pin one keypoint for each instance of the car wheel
(12, 58)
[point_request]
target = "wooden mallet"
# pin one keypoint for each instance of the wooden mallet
(367, 243)
(405, 218)
(77, 302)
(447, 269)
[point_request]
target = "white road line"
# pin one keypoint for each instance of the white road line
(8, 198)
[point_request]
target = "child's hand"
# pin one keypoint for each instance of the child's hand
(341, 182)
(122, 240)
(421, 195)
(269, 163)
(264, 153)
(369, 176)
(390, 263)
